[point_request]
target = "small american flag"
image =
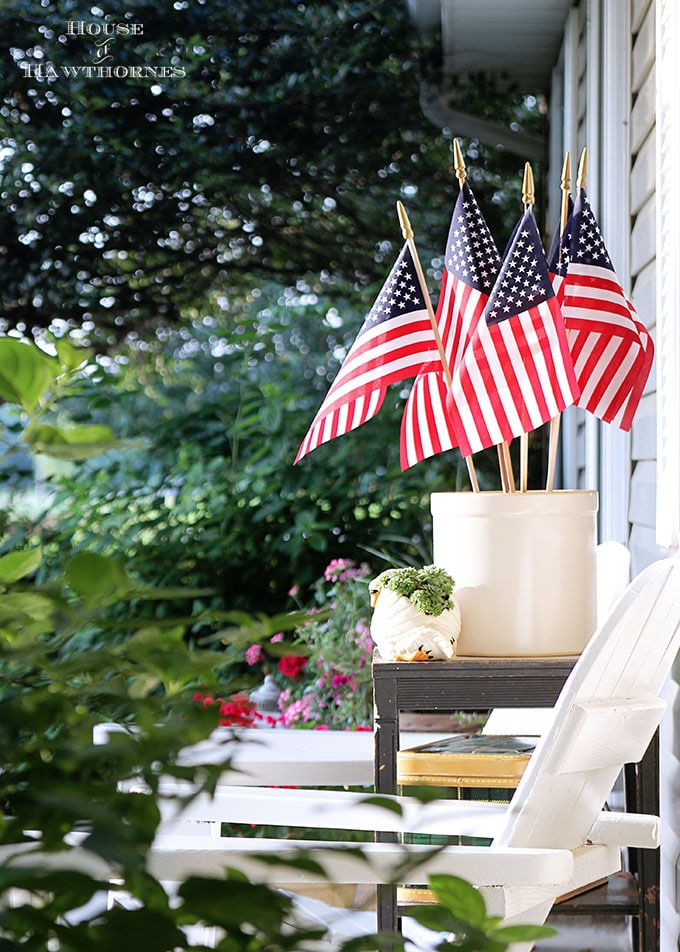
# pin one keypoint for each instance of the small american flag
(394, 342)
(558, 256)
(516, 372)
(472, 263)
(611, 348)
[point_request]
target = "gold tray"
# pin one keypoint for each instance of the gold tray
(466, 760)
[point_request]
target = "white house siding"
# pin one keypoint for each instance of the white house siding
(667, 401)
(649, 141)
(642, 507)
(572, 135)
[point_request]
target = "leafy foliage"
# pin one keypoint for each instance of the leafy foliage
(264, 155)
(208, 495)
(461, 913)
(63, 670)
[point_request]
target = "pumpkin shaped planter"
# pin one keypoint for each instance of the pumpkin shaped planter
(415, 617)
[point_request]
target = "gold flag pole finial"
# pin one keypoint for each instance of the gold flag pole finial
(528, 195)
(565, 185)
(459, 163)
(405, 224)
(582, 170)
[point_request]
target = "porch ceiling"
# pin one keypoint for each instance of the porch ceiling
(517, 41)
(517, 38)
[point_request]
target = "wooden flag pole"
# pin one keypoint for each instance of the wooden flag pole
(461, 175)
(528, 197)
(407, 232)
(565, 185)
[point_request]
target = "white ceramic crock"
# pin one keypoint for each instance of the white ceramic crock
(524, 567)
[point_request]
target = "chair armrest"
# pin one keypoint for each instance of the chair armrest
(639, 830)
(332, 809)
(174, 857)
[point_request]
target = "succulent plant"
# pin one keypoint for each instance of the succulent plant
(428, 589)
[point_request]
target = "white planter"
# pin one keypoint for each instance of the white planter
(524, 567)
(403, 633)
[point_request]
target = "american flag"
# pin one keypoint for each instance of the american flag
(394, 342)
(472, 263)
(611, 348)
(558, 256)
(516, 372)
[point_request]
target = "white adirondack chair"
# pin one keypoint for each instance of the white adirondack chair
(553, 837)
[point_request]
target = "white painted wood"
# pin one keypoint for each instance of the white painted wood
(638, 13)
(643, 494)
(176, 857)
(643, 297)
(626, 829)
(642, 242)
(626, 662)
(643, 111)
(606, 733)
(283, 757)
(613, 574)
(643, 431)
(667, 240)
(630, 655)
(644, 548)
(644, 49)
(615, 223)
(643, 176)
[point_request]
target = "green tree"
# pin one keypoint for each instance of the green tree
(275, 152)
(206, 492)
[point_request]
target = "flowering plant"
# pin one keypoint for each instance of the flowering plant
(327, 685)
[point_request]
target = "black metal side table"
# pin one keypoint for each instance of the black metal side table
(480, 684)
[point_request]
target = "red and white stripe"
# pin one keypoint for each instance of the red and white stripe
(387, 353)
(514, 376)
(611, 349)
(426, 427)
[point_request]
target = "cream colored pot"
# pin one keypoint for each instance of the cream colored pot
(524, 567)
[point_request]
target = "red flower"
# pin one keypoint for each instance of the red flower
(290, 666)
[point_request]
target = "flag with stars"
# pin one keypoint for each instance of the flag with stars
(516, 372)
(611, 348)
(558, 256)
(471, 263)
(394, 342)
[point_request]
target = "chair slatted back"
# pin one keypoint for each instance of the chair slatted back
(605, 716)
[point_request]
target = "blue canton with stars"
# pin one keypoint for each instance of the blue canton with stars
(401, 293)
(523, 281)
(471, 254)
(587, 244)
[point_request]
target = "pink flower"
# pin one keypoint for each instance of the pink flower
(254, 654)
(300, 710)
(340, 679)
(340, 570)
(335, 569)
(276, 638)
(292, 592)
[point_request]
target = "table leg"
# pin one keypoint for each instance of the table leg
(386, 746)
(642, 796)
